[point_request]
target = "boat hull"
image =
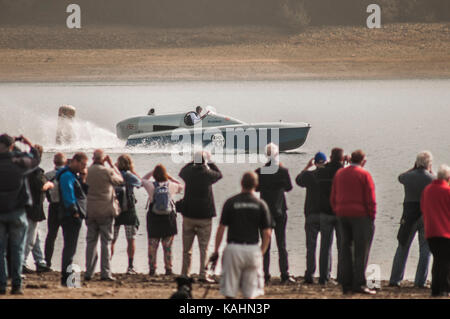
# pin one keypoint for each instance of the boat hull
(248, 138)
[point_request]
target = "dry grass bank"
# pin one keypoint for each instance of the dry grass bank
(223, 53)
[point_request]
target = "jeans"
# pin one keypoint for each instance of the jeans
(13, 231)
(401, 255)
(356, 238)
(38, 256)
(280, 236)
(71, 229)
(312, 229)
(328, 224)
(33, 244)
(95, 229)
(202, 229)
(53, 224)
(440, 281)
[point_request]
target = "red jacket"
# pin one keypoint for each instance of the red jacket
(353, 193)
(435, 205)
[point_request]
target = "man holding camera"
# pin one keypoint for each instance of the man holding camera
(14, 197)
(73, 189)
(198, 208)
(320, 217)
(35, 214)
(101, 212)
(272, 188)
(308, 179)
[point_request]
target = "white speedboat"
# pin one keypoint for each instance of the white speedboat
(216, 129)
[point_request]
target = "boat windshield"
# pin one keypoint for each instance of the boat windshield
(211, 109)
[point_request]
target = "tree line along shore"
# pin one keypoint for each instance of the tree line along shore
(289, 14)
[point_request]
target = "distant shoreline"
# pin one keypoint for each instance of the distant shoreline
(248, 53)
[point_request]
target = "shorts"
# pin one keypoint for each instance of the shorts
(242, 269)
(130, 231)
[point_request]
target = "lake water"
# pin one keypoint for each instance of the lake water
(391, 120)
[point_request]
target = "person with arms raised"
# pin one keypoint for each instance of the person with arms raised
(14, 197)
(73, 208)
(101, 210)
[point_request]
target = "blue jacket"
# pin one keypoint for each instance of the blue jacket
(73, 192)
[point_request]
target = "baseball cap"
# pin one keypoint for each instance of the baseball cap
(6, 140)
(320, 157)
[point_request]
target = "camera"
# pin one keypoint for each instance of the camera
(347, 158)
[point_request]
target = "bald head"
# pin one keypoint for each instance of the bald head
(249, 181)
(99, 156)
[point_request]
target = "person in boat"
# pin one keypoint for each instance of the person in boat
(195, 116)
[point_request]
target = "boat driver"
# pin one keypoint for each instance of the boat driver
(195, 116)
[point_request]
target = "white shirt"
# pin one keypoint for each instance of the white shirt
(195, 117)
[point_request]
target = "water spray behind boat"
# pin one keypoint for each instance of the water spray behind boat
(64, 130)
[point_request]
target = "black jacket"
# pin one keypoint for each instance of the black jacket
(198, 199)
(36, 181)
(318, 188)
(272, 188)
(308, 180)
(325, 177)
(14, 189)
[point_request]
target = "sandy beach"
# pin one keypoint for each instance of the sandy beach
(57, 54)
(141, 286)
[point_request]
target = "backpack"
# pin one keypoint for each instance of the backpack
(36, 180)
(53, 194)
(162, 202)
(124, 195)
